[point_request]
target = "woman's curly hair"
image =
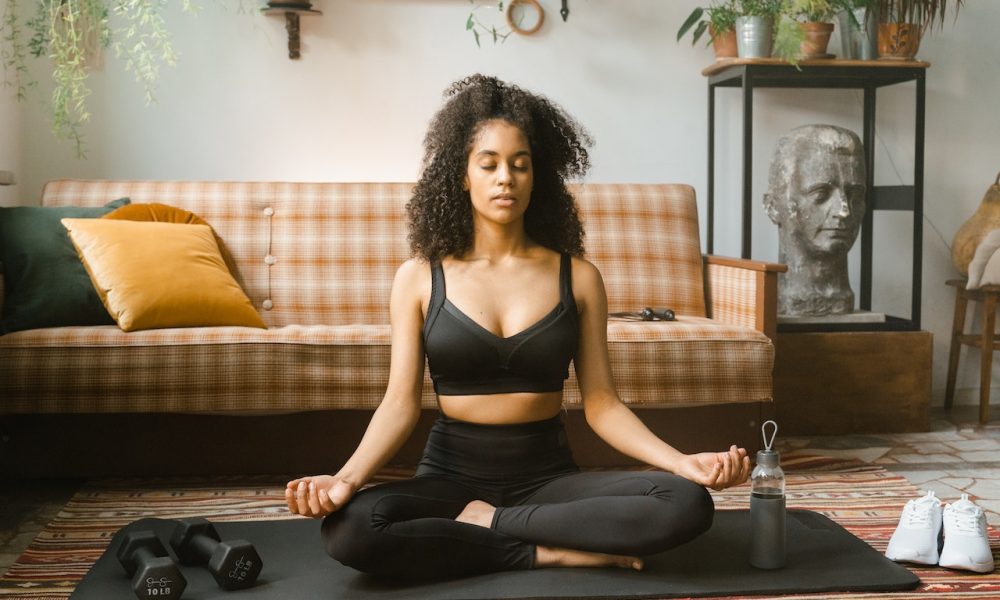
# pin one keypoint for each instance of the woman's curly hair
(440, 211)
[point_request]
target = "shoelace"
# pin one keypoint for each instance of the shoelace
(918, 512)
(965, 518)
(916, 517)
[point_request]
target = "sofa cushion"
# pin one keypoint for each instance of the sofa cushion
(45, 284)
(692, 361)
(152, 275)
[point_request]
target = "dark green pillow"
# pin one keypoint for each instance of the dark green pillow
(45, 284)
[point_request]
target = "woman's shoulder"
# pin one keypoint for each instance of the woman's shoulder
(414, 274)
(584, 270)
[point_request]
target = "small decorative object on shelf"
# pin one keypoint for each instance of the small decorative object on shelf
(755, 27)
(903, 22)
(804, 29)
(719, 19)
(291, 11)
(858, 25)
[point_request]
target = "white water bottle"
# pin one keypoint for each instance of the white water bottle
(767, 507)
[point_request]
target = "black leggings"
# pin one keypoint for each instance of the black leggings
(408, 529)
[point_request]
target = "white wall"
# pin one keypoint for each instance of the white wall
(356, 105)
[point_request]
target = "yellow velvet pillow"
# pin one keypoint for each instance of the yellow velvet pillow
(164, 213)
(152, 275)
(155, 211)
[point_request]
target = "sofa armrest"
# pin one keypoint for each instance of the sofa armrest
(743, 292)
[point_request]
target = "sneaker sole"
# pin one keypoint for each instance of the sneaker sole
(931, 560)
(983, 567)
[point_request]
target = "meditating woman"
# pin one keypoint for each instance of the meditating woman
(500, 302)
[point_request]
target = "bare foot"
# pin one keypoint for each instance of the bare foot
(563, 557)
(477, 512)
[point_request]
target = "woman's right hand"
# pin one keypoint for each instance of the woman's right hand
(318, 496)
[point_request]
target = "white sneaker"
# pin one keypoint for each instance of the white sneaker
(916, 537)
(966, 545)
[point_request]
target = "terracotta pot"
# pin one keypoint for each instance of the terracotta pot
(724, 43)
(817, 39)
(971, 233)
(898, 41)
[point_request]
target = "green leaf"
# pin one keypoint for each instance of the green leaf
(698, 32)
(470, 23)
(689, 23)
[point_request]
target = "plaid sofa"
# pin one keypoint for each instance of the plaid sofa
(317, 260)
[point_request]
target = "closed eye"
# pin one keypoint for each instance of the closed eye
(820, 193)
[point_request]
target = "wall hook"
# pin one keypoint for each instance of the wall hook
(564, 11)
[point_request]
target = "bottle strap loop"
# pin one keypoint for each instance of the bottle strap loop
(763, 431)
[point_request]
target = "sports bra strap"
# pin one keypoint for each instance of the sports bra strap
(566, 281)
(438, 295)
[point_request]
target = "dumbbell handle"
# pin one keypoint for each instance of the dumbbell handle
(204, 546)
(143, 555)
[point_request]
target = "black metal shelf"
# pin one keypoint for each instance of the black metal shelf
(749, 74)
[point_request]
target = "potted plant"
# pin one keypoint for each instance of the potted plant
(755, 27)
(804, 29)
(903, 22)
(720, 22)
(858, 23)
(69, 34)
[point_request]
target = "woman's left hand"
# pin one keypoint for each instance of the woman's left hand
(716, 470)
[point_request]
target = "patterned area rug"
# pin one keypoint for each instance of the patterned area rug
(866, 500)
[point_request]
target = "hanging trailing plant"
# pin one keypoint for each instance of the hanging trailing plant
(70, 33)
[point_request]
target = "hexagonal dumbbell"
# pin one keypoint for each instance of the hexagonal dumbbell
(154, 574)
(234, 564)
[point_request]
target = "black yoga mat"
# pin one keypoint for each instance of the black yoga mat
(822, 557)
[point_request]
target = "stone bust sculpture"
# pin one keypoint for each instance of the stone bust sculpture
(816, 196)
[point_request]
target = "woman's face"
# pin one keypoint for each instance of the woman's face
(499, 175)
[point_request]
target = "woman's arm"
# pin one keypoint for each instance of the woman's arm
(614, 422)
(396, 415)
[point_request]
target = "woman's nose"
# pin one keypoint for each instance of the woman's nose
(503, 174)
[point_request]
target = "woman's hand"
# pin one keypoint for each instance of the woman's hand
(318, 496)
(716, 470)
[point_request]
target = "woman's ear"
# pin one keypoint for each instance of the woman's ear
(465, 182)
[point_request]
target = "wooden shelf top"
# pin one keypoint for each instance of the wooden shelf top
(275, 10)
(724, 63)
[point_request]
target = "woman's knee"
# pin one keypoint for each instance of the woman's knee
(687, 511)
(350, 539)
(701, 508)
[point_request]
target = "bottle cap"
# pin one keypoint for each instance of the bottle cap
(768, 458)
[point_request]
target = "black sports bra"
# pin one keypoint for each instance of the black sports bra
(467, 359)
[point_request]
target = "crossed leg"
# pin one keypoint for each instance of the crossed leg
(425, 527)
